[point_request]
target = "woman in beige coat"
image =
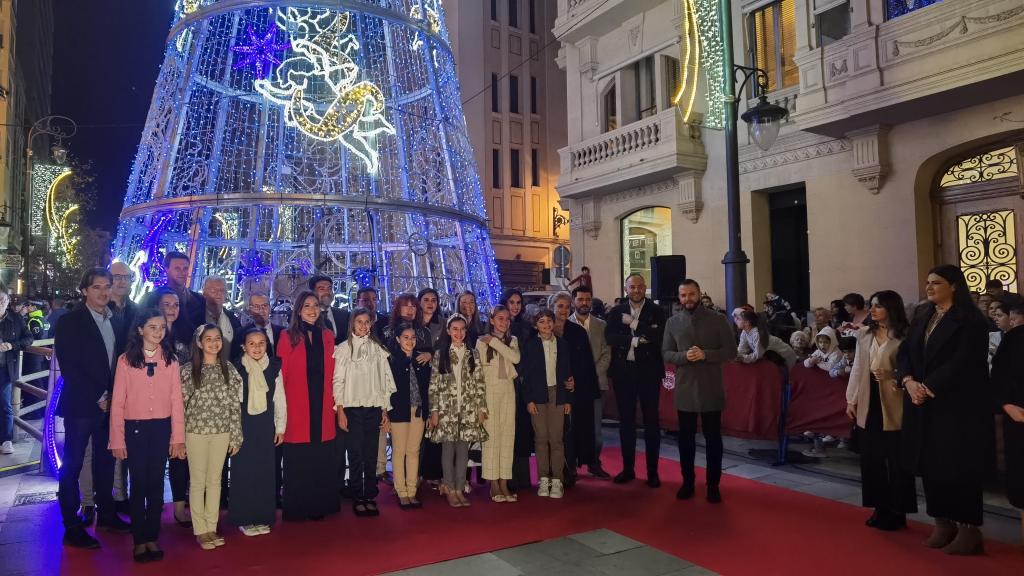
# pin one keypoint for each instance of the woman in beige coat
(876, 403)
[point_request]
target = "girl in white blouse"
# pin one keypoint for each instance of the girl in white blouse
(363, 385)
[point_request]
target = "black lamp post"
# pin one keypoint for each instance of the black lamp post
(763, 121)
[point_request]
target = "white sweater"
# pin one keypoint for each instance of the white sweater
(362, 375)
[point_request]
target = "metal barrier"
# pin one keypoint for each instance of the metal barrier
(36, 384)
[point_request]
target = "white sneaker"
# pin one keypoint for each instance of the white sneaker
(250, 530)
(7, 448)
(828, 439)
(263, 528)
(545, 487)
(556, 488)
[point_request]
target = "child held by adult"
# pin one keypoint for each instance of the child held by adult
(147, 420)
(264, 414)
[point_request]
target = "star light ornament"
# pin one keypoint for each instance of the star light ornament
(318, 87)
(261, 51)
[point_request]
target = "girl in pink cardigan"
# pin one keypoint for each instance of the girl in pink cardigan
(147, 422)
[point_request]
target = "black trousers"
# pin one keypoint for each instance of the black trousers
(147, 442)
(628, 390)
(177, 473)
(711, 426)
(885, 484)
(361, 442)
(77, 432)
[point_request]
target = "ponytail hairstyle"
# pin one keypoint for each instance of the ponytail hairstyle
(197, 356)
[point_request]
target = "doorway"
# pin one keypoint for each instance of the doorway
(791, 264)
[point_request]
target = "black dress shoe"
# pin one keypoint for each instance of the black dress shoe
(88, 515)
(598, 472)
(891, 521)
(623, 477)
(685, 492)
(714, 495)
(77, 537)
(155, 553)
(141, 554)
(872, 522)
(123, 507)
(114, 524)
(653, 481)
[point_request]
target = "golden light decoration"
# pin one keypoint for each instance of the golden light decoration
(347, 110)
(687, 92)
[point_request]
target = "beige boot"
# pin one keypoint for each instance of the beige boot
(942, 535)
(968, 542)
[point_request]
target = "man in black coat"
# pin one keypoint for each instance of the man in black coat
(192, 305)
(215, 292)
(258, 309)
(121, 306)
(85, 343)
(335, 319)
(367, 298)
(634, 332)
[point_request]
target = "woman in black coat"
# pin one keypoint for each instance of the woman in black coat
(947, 415)
(1008, 382)
(579, 434)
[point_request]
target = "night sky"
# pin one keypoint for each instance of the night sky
(107, 54)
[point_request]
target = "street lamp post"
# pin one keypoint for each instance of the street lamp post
(763, 121)
(59, 127)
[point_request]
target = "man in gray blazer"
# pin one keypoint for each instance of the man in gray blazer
(582, 301)
(698, 342)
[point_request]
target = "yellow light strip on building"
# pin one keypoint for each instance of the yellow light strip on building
(691, 49)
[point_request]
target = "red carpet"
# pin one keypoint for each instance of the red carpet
(760, 529)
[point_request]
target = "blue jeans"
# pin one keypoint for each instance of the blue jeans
(6, 410)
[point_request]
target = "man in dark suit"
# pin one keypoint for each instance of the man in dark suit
(258, 309)
(215, 292)
(85, 342)
(634, 332)
(191, 303)
(335, 319)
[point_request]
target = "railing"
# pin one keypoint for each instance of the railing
(35, 384)
(632, 138)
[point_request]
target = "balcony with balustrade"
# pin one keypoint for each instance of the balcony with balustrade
(637, 154)
(912, 63)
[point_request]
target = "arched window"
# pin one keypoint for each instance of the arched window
(984, 192)
(645, 233)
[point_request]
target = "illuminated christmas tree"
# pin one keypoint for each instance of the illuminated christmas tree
(287, 140)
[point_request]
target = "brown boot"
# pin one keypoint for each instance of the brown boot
(968, 542)
(942, 535)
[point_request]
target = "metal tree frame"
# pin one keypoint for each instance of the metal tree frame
(239, 178)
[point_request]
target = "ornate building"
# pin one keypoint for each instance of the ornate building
(901, 150)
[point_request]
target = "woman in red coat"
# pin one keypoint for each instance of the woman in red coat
(306, 350)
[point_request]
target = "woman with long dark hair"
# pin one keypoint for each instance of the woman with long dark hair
(433, 319)
(947, 410)
(166, 301)
(522, 329)
(875, 403)
(147, 420)
(310, 453)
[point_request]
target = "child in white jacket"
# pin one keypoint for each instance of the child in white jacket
(827, 355)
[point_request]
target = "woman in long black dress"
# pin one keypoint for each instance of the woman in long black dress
(522, 448)
(310, 455)
(947, 411)
(253, 503)
(1008, 380)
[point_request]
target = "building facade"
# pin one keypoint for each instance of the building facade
(26, 71)
(514, 100)
(901, 149)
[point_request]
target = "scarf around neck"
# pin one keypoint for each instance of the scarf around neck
(258, 388)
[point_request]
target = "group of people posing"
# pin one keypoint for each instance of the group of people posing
(303, 412)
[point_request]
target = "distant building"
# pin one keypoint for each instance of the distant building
(514, 96)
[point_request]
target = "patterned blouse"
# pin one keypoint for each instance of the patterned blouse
(215, 408)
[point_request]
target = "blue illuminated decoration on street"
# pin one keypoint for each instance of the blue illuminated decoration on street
(897, 8)
(336, 152)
